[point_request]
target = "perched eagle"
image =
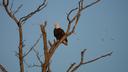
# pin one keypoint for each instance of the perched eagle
(59, 33)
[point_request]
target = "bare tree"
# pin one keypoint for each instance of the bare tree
(20, 23)
(49, 53)
(48, 47)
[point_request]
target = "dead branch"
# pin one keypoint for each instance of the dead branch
(18, 8)
(46, 51)
(2, 68)
(82, 55)
(74, 67)
(12, 4)
(38, 58)
(21, 49)
(71, 66)
(108, 54)
(37, 55)
(34, 45)
(91, 4)
(50, 43)
(39, 8)
(76, 17)
(10, 12)
(33, 65)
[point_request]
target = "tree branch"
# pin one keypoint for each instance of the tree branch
(50, 43)
(37, 41)
(82, 55)
(105, 55)
(2, 68)
(46, 51)
(38, 57)
(75, 67)
(12, 4)
(91, 4)
(18, 8)
(71, 66)
(76, 17)
(10, 12)
(39, 8)
(33, 65)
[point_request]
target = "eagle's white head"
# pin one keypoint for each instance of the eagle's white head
(57, 25)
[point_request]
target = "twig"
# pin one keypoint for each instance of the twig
(12, 4)
(37, 55)
(91, 4)
(18, 8)
(34, 65)
(82, 55)
(50, 43)
(30, 66)
(71, 66)
(68, 14)
(37, 41)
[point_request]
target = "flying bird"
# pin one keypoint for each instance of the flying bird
(59, 33)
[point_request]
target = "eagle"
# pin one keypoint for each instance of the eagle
(59, 33)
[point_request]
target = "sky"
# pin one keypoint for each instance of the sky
(102, 28)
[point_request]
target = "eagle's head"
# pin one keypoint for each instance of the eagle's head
(57, 25)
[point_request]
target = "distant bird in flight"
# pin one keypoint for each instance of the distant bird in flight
(59, 33)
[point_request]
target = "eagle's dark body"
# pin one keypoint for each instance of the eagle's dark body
(59, 33)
